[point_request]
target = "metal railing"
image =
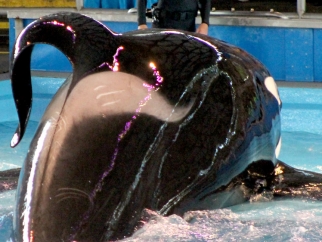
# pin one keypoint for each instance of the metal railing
(301, 7)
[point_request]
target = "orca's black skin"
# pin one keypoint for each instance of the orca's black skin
(291, 182)
(164, 120)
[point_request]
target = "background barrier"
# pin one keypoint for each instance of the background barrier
(289, 44)
(37, 3)
(114, 4)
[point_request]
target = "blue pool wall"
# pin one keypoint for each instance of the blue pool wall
(114, 4)
(6, 103)
(43, 89)
(291, 54)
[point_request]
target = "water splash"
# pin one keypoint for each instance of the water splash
(287, 220)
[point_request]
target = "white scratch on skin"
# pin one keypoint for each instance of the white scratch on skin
(306, 174)
(110, 103)
(58, 144)
(61, 125)
(108, 93)
(72, 193)
(118, 93)
(99, 87)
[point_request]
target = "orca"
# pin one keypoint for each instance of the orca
(164, 120)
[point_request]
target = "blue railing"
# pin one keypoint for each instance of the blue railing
(113, 4)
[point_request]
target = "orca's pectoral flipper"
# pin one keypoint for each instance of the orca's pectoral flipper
(9, 179)
(295, 183)
(85, 42)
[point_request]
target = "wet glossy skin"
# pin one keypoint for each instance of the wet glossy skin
(150, 119)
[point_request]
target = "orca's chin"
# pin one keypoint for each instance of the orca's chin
(117, 93)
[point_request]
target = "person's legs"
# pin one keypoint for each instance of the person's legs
(167, 23)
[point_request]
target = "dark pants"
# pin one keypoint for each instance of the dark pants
(174, 20)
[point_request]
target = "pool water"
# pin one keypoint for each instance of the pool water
(279, 220)
(302, 128)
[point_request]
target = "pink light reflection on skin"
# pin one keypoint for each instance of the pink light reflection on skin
(156, 73)
(116, 63)
(69, 28)
(99, 185)
(127, 127)
(142, 103)
(55, 22)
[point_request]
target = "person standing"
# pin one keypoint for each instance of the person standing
(176, 14)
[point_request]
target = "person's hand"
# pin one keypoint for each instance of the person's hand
(202, 29)
(143, 26)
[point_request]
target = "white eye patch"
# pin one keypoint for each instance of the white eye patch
(278, 148)
(272, 88)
